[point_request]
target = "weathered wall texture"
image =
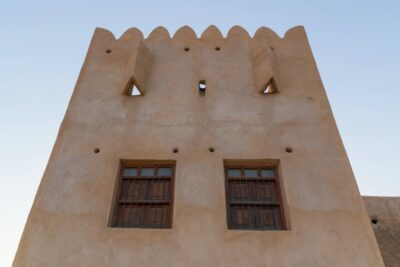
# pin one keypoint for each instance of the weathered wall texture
(328, 224)
(385, 211)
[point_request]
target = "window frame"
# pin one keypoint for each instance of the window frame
(140, 164)
(279, 194)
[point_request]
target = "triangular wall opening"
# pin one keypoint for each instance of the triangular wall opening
(269, 88)
(134, 90)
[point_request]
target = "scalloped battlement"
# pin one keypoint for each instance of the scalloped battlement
(212, 32)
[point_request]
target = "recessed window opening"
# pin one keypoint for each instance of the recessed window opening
(270, 88)
(145, 196)
(202, 86)
(253, 198)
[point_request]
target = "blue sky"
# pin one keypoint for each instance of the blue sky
(355, 43)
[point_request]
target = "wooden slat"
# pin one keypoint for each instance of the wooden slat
(122, 202)
(254, 203)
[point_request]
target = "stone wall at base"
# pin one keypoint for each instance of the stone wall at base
(385, 219)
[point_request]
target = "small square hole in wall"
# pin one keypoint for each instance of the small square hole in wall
(202, 86)
(269, 88)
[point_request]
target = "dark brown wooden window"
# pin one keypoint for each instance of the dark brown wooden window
(253, 198)
(145, 196)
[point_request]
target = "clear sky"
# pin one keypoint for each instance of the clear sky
(43, 45)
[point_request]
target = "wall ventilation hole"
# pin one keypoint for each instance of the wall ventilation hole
(202, 86)
(374, 220)
(217, 48)
(211, 149)
(96, 150)
(175, 150)
(269, 88)
(289, 150)
(187, 49)
(108, 51)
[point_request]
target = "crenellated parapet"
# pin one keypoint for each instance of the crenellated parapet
(138, 53)
(211, 33)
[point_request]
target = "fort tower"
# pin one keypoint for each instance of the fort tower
(198, 151)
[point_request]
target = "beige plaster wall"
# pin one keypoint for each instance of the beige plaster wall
(328, 225)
